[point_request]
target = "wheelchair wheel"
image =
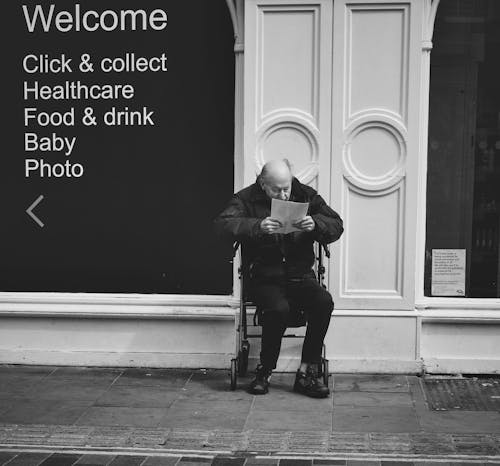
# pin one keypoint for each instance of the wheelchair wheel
(324, 363)
(243, 358)
(233, 374)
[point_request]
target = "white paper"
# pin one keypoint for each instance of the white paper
(448, 272)
(288, 213)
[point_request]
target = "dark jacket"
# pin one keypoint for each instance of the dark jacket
(277, 255)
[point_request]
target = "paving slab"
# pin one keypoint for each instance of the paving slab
(148, 437)
(308, 442)
(61, 459)
(371, 383)
(121, 416)
(329, 462)
(67, 389)
(69, 435)
(224, 440)
(203, 415)
(161, 461)
(228, 461)
(16, 381)
(390, 443)
(206, 382)
(349, 442)
(396, 463)
(20, 369)
(267, 440)
(262, 462)
(95, 460)
(43, 412)
(27, 434)
(425, 443)
(71, 372)
(155, 377)
(374, 419)
(127, 460)
(28, 459)
(138, 396)
(188, 439)
(295, 462)
(5, 404)
(6, 456)
(197, 392)
(290, 401)
(289, 420)
(460, 421)
(372, 399)
(362, 463)
(194, 461)
(109, 436)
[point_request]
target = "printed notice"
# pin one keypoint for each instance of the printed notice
(448, 272)
(288, 212)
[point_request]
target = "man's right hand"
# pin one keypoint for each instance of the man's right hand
(269, 225)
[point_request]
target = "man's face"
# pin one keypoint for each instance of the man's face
(277, 189)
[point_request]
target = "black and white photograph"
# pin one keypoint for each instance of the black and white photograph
(250, 233)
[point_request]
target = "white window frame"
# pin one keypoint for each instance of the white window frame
(436, 306)
(133, 305)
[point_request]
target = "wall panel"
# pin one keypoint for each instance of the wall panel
(377, 58)
(288, 61)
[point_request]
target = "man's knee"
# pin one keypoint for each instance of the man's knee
(322, 301)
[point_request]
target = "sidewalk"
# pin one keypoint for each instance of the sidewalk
(174, 414)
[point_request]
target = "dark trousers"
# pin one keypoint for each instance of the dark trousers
(274, 299)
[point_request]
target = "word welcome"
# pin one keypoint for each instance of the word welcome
(91, 20)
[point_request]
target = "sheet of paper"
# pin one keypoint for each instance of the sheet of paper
(448, 272)
(288, 212)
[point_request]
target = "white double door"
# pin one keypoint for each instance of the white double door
(335, 86)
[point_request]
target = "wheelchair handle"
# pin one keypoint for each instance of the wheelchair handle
(236, 246)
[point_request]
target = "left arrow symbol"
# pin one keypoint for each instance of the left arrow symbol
(29, 210)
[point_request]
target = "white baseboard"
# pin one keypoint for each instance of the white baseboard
(462, 366)
(338, 366)
(116, 359)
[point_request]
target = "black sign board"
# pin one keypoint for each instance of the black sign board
(117, 148)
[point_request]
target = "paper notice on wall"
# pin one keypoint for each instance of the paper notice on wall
(448, 272)
(288, 212)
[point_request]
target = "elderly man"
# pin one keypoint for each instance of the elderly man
(282, 268)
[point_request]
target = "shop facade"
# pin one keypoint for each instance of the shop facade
(405, 146)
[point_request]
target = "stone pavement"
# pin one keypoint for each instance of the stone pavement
(57, 416)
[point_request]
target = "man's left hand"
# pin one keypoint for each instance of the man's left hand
(306, 224)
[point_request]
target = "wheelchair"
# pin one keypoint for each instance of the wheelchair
(296, 319)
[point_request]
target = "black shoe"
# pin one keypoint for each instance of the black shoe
(260, 385)
(311, 383)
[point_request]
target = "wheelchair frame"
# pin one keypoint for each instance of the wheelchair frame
(239, 364)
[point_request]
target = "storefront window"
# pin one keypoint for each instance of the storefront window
(131, 208)
(463, 181)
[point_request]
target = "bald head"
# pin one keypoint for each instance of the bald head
(276, 179)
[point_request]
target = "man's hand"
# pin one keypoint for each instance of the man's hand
(306, 224)
(269, 225)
